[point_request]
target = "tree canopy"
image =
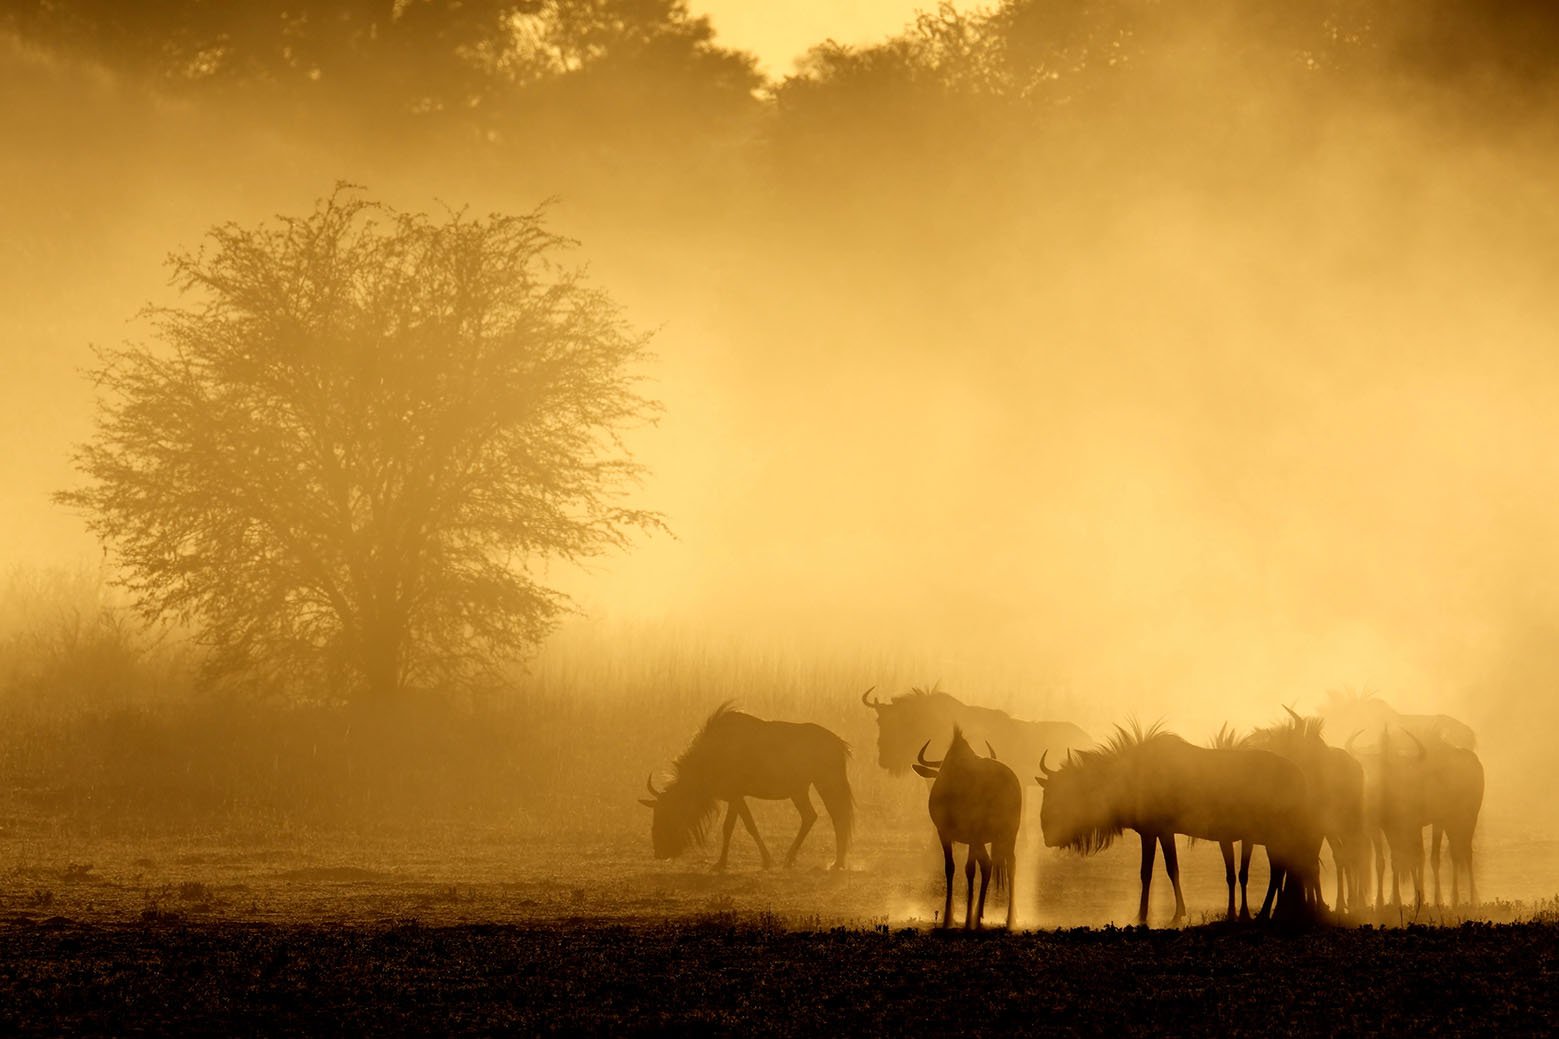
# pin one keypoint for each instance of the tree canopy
(340, 458)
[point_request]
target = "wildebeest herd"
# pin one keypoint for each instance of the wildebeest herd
(1283, 787)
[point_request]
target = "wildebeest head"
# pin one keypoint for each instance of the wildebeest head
(681, 817)
(1085, 796)
(1352, 711)
(1077, 810)
(905, 722)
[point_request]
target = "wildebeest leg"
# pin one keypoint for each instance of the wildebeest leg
(1172, 867)
(1456, 868)
(969, 882)
(979, 854)
(1396, 875)
(947, 869)
(1274, 883)
(1246, 849)
(745, 814)
(1149, 852)
(1435, 834)
(1379, 850)
(1005, 854)
(803, 803)
(835, 792)
(1417, 859)
(731, 812)
(1226, 848)
(1338, 857)
(1461, 847)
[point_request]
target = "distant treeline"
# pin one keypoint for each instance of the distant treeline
(629, 84)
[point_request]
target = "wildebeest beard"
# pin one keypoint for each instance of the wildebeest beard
(683, 814)
(1086, 788)
(1098, 830)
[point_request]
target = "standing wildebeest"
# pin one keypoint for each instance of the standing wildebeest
(974, 801)
(907, 721)
(1431, 783)
(1336, 782)
(1159, 785)
(736, 756)
(1354, 712)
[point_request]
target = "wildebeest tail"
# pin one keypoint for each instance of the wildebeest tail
(833, 785)
(1001, 870)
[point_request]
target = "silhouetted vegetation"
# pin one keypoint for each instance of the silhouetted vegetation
(723, 977)
(346, 452)
(1092, 356)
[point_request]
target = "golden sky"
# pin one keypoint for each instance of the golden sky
(778, 31)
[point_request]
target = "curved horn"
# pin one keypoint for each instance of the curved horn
(991, 749)
(921, 757)
(1348, 743)
(1044, 769)
(1071, 758)
(1293, 713)
(649, 781)
(1423, 751)
(873, 704)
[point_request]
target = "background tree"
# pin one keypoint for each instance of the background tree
(346, 450)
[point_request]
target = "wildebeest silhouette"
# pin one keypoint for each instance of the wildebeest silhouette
(1156, 783)
(736, 756)
(975, 801)
(1424, 783)
(1336, 783)
(1367, 714)
(909, 720)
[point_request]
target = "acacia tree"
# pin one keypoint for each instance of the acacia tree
(340, 459)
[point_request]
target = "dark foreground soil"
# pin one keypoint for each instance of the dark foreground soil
(735, 977)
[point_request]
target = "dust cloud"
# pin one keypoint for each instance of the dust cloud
(1169, 367)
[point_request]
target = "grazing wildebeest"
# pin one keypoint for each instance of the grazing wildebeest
(1426, 783)
(1354, 712)
(736, 756)
(1159, 785)
(975, 801)
(1336, 782)
(907, 721)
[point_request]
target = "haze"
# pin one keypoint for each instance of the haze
(1184, 395)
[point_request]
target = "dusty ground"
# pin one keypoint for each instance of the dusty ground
(440, 929)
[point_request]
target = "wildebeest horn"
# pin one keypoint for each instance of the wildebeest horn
(873, 704)
(1423, 752)
(991, 749)
(1348, 744)
(649, 781)
(921, 757)
(1292, 713)
(1048, 772)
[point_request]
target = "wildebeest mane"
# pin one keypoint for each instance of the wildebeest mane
(1227, 738)
(1126, 739)
(693, 804)
(691, 755)
(1294, 727)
